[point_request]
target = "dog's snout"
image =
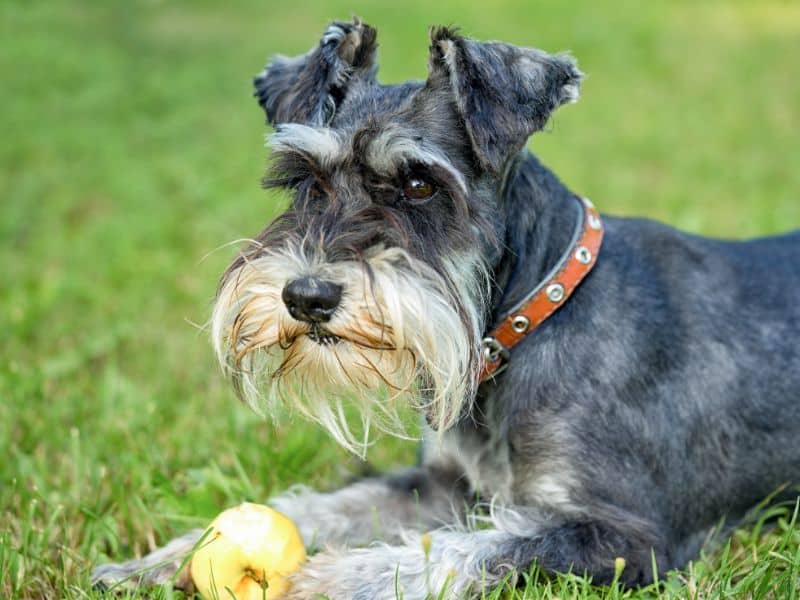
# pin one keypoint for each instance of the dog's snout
(311, 300)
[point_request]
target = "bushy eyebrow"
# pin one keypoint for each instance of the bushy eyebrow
(395, 147)
(322, 145)
(299, 150)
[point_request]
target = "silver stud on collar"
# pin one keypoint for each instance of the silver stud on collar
(583, 255)
(594, 222)
(555, 292)
(520, 324)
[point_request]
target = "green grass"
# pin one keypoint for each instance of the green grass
(130, 153)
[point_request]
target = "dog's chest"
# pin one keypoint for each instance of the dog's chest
(479, 452)
(492, 461)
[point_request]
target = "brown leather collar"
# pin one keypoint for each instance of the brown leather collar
(549, 295)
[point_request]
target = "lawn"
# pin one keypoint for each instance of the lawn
(130, 156)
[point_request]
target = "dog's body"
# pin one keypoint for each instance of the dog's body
(663, 397)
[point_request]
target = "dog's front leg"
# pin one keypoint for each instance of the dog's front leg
(378, 508)
(159, 567)
(373, 509)
(458, 564)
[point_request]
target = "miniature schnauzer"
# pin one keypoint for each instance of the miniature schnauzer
(659, 397)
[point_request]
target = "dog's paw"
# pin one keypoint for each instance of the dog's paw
(163, 566)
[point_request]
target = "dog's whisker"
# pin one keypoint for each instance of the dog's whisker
(251, 241)
(371, 366)
(291, 361)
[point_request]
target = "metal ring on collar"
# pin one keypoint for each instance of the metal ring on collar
(493, 350)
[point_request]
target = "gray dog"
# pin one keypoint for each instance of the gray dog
(658, 395)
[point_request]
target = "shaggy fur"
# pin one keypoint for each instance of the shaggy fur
(659, 400)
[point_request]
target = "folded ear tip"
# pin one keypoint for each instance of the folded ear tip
(358, 22)
(301, 88)
(572, 78)
(369, 32)
(354, 42)
(366, 31)
(441, 33)
(261, 89)
(570, 93)
(369, 36)
(442, 38)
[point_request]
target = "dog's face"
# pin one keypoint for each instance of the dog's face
(374, 285)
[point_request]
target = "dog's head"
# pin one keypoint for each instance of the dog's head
(375, 283)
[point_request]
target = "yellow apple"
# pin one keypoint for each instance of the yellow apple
(250, 550)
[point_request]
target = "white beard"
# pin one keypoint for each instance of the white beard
(400, 332)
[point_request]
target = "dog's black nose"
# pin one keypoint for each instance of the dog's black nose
(311, 300)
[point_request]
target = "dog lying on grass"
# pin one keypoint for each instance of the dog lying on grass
(612, 387)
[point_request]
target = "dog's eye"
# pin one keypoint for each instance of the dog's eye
(418, 189)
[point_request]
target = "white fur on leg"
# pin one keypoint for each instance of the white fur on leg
(363, 512)
(453, 566)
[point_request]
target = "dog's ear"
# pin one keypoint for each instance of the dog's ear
(308, 89)
(503, 92)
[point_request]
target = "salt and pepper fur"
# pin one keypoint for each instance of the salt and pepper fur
(658, 401)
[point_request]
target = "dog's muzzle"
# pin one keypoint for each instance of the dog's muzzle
(316, 335)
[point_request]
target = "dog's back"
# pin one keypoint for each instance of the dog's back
(712, 410)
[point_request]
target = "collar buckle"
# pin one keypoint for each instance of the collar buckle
(493, 350)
